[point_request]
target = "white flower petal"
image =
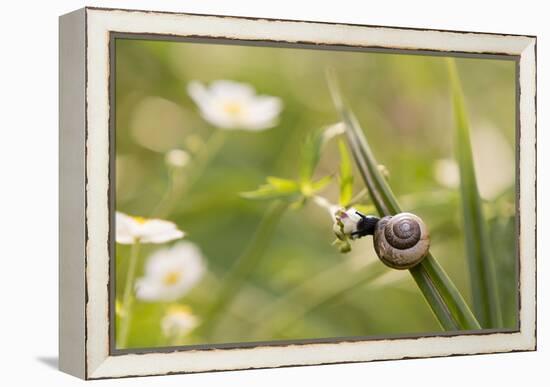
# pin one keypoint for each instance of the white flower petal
(170, 273)
(233, 105)
(126, 228)
(235, 90)
(130, 229)
(446, 173)
(177, 158)
(262, 113)
(148, 290)
(198, 92)
(215, 114)
(350, 219)
(159, 231)
(495, 169)
(178, 322)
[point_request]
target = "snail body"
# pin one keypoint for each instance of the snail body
(401, 241)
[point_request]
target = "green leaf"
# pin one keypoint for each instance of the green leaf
(310, 188)
(311, 153)
(481, 266)
(321, 183)
(311, 150)
(346, 175)
(365, 208)
(283, 185)
(276, 188)
(440, 293)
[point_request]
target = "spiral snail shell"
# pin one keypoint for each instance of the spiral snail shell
(401, 241)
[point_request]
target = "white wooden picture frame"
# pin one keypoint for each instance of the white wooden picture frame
(85, 212)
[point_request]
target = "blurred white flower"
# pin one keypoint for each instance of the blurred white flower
(177, 158)
(130, 229)
(494, 164)
(233, 105)
(179, 321)
(495, 161)
(171, 272)
(446, 173)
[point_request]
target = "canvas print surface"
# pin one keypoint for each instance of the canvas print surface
(286, 194)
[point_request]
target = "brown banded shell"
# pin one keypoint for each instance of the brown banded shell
(401, 241)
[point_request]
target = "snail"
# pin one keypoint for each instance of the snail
(401, 241)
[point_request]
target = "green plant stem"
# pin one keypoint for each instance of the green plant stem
(205, 155)
(450, 294)
(179, 182)
(128, 297)
(243, 266)
(436, 284)
(434, 299)
(440, 293)
(173, 191)
(483, 281)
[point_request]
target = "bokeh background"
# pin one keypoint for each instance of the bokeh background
(403, 104)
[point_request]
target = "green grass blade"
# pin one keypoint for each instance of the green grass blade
(346, 175)
(448, 291)
(482, 272)
(439, 291)
(382, 195)
(434, 299)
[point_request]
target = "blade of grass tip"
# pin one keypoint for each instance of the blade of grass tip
(382, 196)
(481, 266)
(441, 294)
(377, 185)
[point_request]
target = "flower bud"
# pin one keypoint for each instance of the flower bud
(177, 158)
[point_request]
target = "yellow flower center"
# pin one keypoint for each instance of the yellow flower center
(140, 219)
(172, 278)
(234, 109)
(180, 309)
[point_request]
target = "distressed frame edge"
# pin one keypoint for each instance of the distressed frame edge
(72, 227)
(103, 366)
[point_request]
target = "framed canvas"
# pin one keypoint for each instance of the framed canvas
(241, 193)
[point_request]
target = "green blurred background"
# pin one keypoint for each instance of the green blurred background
(402, 102)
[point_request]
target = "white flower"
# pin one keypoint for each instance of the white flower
(177, 158)
(130, 229)
(170, 273)
(179, 321)
(345, 222)
(446, 173)
(233, 105)
(494, 164)
(495, 161)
